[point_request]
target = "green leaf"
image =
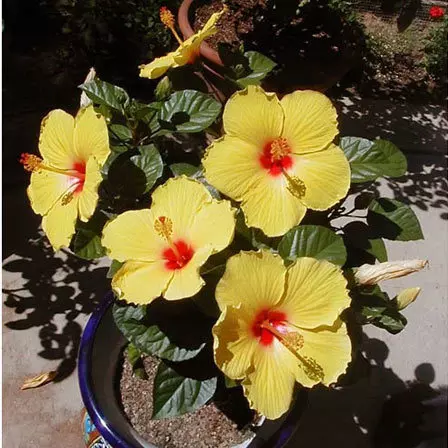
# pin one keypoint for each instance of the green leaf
(149, 339)
(106, 94)
(176, 395)
(134, 356)
(87, 240)
(313, 241)
(393, 220)
(179, 169)
(260, 67)
(370, 160)
(120, 132)
(114, 267)
(150, 162)
(360, 236)
(189, 111)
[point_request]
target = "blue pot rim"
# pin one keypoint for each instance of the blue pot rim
(84, 378)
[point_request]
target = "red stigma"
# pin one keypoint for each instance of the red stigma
(272, 162)
(275, 318)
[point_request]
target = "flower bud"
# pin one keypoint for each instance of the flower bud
(406, 297)
(85, 100)
(370, 274)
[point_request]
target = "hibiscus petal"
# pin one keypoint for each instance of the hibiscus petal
(271, 207)
(234, 344)
(186, 282)
(310, 121)
(158, 67)
(254, 116)
(255, 279)
(233, 166)
(270, 386)
(56, 139)
(327, 351)
(91, 136)
(88, 198)
(59, 223)
(141, 282)
(180, 199)
(315, 294)
(326, 175)
(213, 225)
(132, 236)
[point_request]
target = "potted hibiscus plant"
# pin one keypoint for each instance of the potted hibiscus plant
(240, 277)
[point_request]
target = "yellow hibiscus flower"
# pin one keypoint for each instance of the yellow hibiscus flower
(277, 157)
(64, 182)
(186, 53)
(280, 325)
(164, 247)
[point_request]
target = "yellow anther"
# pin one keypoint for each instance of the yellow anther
(295, 186)
(30, 162)
(67, 198)
(279, 149)
(164, 227)
(166, 17)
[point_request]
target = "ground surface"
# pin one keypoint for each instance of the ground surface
(47, 298)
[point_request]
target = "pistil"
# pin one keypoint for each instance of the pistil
(164, 227)
(167, 18)
(34, 163)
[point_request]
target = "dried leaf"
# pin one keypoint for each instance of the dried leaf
(39, 380)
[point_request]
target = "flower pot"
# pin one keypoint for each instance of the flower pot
(99, 365)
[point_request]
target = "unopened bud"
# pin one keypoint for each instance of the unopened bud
(406, 297)
(371, 274)
(85, 100)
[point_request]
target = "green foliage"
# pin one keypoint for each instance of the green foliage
(149, 339)
(371, 160)
(313, 241)
(134, 356)
(105, 94)
(393, 220)
(436, 50)
(86, 243)
(175, 394)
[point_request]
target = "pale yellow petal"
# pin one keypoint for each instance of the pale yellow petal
(158, 67)
(56, 139)
(255, 279)
(88, 198)
(214, 225)
(254, 116)
(46, 188)
(232, 166)
(310, 121)
(91, 136)
(180, 199)
(59, 223)
(187, 282)
(326, 175)
(234, 344)
(316, 293)
(141, 282)
(270, 386)
(271, 207)
(132, 236)
(328, 352)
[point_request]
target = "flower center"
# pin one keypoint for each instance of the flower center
(275, 319)
(33, 163)
(167, 18)
(179, 253)
(276, 156)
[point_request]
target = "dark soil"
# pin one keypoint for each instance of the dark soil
(208, 427)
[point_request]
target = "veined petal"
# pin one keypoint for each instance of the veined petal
(315, 294)
(328, 349)
(88, 198)
(326, 175)
(234, 345)
(214, 225)
(132, 236)
(59, 223)
(253, 116)
(180, 199)
(141, 282)
(232, 166)
(271, 207)
(91, 136)
(47, 188)
(186, 282)
(254, 279)
(157, 67)
(269, 387)
(310, 121)
(56, 139)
